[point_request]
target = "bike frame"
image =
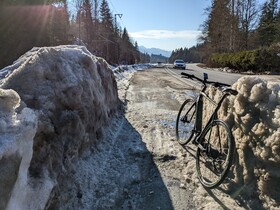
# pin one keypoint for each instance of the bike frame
(199, 111)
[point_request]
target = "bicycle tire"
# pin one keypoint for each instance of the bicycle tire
(185, 127)
(214, 157)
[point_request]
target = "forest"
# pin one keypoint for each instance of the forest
(240, 34)
(25, 24)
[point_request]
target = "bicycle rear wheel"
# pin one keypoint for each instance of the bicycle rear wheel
(215, 159)
(185, 122)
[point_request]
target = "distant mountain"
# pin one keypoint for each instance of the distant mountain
(155, 51)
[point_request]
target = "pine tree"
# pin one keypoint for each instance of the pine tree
(106, 16)
(277, 26)
(88, 23)
(43, 30)
(217, 29)
(267, 29)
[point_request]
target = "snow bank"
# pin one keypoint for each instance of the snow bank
(124, 71)
(123, 74)
(254, 115)
(73, 94)
(17, 130)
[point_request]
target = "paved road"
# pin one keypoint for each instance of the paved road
(217, 76)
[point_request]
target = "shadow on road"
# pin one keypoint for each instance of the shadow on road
(131, 169)
(148, 191)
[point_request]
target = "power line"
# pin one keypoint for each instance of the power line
(116, 12)
(113, 6)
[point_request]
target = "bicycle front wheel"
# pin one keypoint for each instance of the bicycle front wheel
(215, 154)
(185, 122)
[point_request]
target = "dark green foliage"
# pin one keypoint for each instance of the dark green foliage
(259, 60)
(28, 23)
(158, 58)
(30, 2)
(268, 27)
(191, 55)
(145, 58)
(25, 26)
(238, 35)
(106, 17)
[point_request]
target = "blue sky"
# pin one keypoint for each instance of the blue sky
(163, 24)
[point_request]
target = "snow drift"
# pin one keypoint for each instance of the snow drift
(53, 107)
(254, 115)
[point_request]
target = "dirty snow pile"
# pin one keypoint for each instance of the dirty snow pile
(123, 75)
(54, 103)
(254, 115)
(16, 141)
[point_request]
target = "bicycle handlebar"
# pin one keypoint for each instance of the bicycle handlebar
(216, 84)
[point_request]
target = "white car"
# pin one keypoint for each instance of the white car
(159, 65)
(179, 64)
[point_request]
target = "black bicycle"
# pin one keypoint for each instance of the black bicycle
(215, 143)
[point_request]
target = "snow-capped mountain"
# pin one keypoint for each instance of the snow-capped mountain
(155, 51)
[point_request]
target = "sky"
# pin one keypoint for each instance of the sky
(164, 24)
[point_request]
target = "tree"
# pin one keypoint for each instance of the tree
(30, 2)
(106, 16)
(247, 15)
(267, 29)
(37, 23)
(277, 26)
(126, 48)
(216, 30)
(88, 22)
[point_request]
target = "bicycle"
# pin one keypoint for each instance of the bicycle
(215, 143)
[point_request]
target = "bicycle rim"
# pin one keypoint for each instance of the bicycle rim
(215, 159)
(185, 122)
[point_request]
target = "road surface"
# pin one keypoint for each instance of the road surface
(216, 76)
(153, 98)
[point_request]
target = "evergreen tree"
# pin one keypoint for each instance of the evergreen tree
(30, 2)
(267, 29)
(277, 26)
(126, 48)
(219, 26)
(29, 28)
(106, 16)
(88, 23)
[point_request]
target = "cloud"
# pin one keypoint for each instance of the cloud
(165, 34)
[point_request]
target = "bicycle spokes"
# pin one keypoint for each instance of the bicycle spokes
(185, 122)
(214, 155)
